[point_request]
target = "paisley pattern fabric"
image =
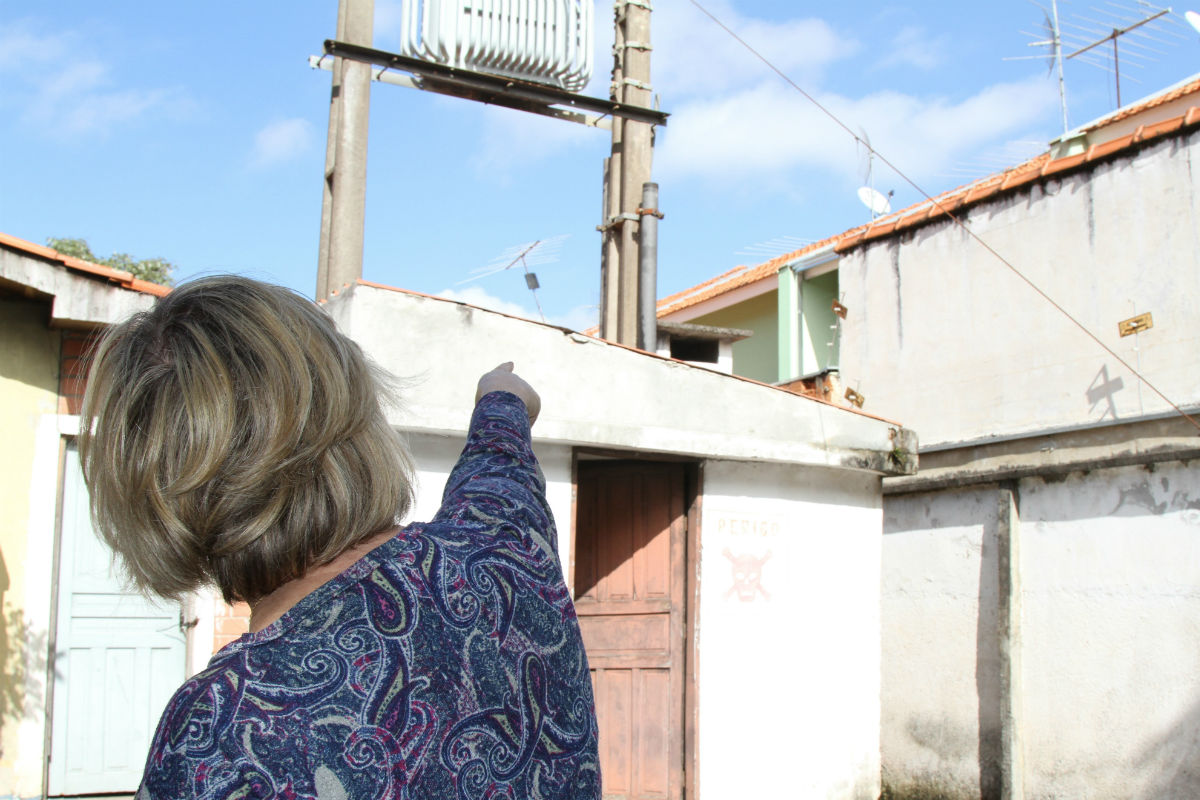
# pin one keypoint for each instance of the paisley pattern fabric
(447, 663)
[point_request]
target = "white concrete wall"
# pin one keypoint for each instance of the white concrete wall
(1111, 569)
(789, 633)
(594, 393)
(435, 456)
(932, 557)
(942, 336)
(1109, 635)
(789, 675)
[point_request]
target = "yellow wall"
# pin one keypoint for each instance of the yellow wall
(29, 355)
(756, 357)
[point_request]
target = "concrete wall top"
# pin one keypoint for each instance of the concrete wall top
(597, 394)
(76, 299)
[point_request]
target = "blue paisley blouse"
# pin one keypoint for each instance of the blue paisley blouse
(446, 663)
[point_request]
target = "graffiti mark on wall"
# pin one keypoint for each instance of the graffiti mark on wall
(747, 576)
(745, 526)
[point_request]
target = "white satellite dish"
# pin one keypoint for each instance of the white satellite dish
(874, 200)
(1193, 19)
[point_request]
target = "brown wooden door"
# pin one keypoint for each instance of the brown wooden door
(629, 587)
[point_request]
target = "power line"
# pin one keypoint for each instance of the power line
(952, 217)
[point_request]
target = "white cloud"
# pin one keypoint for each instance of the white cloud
(513, 140)
(578, 318)
(20, 45)
(61, 89)
(912, 46)
(734, 120)
(281, 141)
(388, 16)
(477, 296)
(767, 130)
(693, 56)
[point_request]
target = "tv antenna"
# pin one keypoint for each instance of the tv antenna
(541, 251)
(993, 160)
(1051, 38)
(771, 248)
(1131, 29)
(1140, 27)
(878, 203)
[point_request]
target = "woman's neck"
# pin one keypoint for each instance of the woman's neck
(271, 607)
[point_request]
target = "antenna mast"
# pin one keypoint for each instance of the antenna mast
(1058, 58)
(1055, 44)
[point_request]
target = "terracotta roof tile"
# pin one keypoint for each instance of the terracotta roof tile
(950, 202)
(738, 277)
(1190, 86)
(121, 278)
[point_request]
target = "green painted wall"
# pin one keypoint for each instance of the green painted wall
(758, 356)
(29, 357)
(819, 349)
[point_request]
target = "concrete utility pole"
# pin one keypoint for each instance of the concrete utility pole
(345, 198)
(625, 172)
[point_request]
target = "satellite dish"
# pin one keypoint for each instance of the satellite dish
(874, 200)
(1193, 19)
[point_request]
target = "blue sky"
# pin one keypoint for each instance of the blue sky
(196, 132)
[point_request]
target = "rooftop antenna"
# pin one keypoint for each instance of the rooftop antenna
(541, 251)
(1082, 35)
(1050, 37)
(994, 160)
(1132, 21)
(780, 245)
(878, 203)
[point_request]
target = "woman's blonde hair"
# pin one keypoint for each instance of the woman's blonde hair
(232, 436)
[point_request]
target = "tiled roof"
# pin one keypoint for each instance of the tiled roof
(952, 201)
(1031, 171)
(740, 276)
(123, 279)
(1171, 94)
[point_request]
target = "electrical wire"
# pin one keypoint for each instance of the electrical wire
(952, 217)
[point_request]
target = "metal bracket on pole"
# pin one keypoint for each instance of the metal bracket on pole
(646, 46)
(618, 220)
(653, 212)
(634, 83)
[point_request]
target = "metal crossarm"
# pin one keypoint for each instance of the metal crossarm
(521, 95)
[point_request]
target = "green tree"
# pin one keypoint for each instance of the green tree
(155, 270)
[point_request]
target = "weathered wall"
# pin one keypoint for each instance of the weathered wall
(1111, 565)
(936, 604)
(789, 633)
(597, 394)
(28, 396)
(947, 339)
(1109, 636)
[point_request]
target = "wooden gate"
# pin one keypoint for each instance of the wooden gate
(118, 659)
(630, 556)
